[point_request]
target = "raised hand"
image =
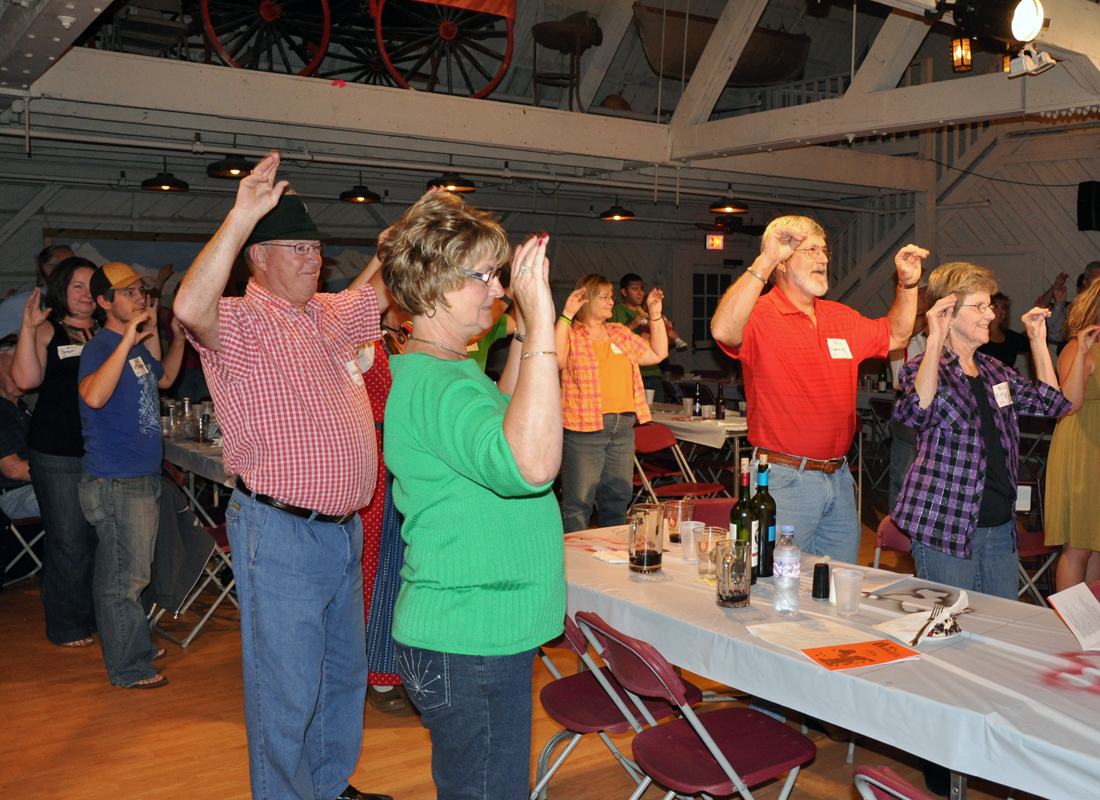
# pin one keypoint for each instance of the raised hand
(1058, 290)
(908, 262)
(655, 302)
(163, 275)
(939, 318)
(258, 193)
(782, 243)
(132, 335)
(530, 280)
(1087, 338)
(574, 303)
(1035, 323)
(33, 315)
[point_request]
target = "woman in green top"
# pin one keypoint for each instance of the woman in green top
(484, 577)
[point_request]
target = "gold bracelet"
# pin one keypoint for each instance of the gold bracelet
(538, 353)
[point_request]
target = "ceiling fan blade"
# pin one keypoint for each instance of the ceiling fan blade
(709, 228)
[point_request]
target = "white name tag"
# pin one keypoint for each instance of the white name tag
(838, 348)
(69, 350)
(365, 356)
(138, 366)
(353, 372)
(1002, 394)
(615, 349)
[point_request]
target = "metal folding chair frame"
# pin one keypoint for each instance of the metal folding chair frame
(26, 548)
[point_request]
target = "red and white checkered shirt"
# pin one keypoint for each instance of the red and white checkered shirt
(289, 396)
(581, 407)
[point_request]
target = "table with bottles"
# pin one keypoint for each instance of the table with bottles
(1010, 699)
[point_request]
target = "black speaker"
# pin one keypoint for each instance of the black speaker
(1088, 206)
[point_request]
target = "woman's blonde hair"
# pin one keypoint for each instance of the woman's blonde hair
(961, 279)
(592, 284)
(432, 241)
(804, 224)
(1084, 311)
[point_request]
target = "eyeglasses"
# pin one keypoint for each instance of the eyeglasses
(484, 277)
(813, 251)
(981, 307)
(301, 248)
(605, 297)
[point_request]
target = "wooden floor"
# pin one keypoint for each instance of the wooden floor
(67, 733)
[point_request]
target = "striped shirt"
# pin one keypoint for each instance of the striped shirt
(939, 501)
(582, 409)
(289, 396)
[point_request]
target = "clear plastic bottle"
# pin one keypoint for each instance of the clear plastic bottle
(786, 572)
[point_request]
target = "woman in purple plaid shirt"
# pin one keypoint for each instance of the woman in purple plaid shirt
(958, 501)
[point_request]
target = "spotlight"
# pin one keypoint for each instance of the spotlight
(1007, 20)
(1030, 62)
(452, 182)
(617, 213)
(230, 168)
(164, 182)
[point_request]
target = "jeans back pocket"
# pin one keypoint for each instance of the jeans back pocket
(426, 677)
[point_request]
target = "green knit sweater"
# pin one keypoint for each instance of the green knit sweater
(484, 568)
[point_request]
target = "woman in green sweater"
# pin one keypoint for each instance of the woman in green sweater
(484, 577)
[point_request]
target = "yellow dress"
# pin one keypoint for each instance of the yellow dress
(1073, 493)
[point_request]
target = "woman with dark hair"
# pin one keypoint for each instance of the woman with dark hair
(1004, 343)
(47, 358)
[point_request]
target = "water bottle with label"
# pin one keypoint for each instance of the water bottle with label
(787, 571)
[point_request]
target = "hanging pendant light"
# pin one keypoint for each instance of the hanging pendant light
(230, 168)
(360, 194)
(617, 213)
(961, 59)
(728, 205)
(164, 182)
(452, 182)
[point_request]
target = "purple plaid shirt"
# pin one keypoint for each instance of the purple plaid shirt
(939, 500)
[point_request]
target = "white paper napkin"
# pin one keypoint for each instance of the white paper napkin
(905, 628)
(612, 556)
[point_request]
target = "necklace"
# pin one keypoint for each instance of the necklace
(437, 344)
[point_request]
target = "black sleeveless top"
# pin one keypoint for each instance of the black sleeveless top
(55, 426)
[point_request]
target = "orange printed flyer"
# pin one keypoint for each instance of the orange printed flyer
(860, 654)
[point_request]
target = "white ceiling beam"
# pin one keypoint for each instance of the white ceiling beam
(981, 97)
(45, 194)
(895, 46)
(614, 17)
(836, 165)
(724, 48)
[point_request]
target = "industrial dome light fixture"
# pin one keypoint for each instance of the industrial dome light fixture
(728, 205)
(360, 194)
(164, 182)
(1007, 20)
(231, 167)
(452, 182)
(617, 213)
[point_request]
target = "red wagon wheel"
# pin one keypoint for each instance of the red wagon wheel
(440, 48)
(290, 36)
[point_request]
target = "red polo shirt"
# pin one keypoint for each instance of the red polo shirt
(800, 380)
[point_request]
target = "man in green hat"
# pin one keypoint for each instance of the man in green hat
(299, 435)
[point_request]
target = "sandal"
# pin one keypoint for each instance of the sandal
(150, 683)
(87, 642)
(157, 656)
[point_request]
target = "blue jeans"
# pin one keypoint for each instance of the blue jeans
(126, 515)
(70, 541)
(598, 467)
(20, 503)
(478, 710)
(303, 647)
(902, 455)
(993, 566)
(822, 509)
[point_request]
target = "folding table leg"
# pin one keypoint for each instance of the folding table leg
(958, 787)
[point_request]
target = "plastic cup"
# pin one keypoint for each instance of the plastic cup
(675, 513)
(705, 540)
(849, 585)
(688, 404)
(708, 412)
(166, 426)
(732, 567)
(689, 531)
(645, 542)
(649, 395)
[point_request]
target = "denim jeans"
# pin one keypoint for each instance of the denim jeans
(20, 503)
(303, 647)
(993, 566)
(70, 541)
(478, 710)
(598, 467)
(903, 453)
(126, 515)
(822, 509)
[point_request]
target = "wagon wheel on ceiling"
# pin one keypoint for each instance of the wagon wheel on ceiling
(353, 53)
(439, 48)
(290, 36)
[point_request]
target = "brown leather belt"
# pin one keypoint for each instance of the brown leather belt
(796, 462)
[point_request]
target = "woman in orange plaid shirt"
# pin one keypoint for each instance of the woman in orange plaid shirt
(602, 399)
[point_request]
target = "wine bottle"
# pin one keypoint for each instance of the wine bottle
(697, 406)
(743, 524)
(763, 506)
(720, 408)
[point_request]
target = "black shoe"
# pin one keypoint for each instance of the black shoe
(351, 793)
(936, 778)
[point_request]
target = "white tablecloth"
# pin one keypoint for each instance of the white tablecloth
(976, 703)
(709, 432)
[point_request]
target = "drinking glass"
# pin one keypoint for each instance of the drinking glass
(688, 533)
(676, 512)
(645, 540)
(731, 561)
(705, 540)
(849, 585)
(688, 404)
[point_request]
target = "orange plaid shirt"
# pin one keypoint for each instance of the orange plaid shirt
(581, 407)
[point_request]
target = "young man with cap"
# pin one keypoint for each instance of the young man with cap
(299, 435)
(120, 371)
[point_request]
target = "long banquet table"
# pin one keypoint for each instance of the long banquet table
(978, 703)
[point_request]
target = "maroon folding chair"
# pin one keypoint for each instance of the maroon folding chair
(655, 438)
(882, 783)
(717, 753)
(1033, 549)
(714, 511)
(591, 701)
(891, 537)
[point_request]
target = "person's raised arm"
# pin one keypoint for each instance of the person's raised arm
(1076, 365)
(28, 368)
(1057, 292)
(658, 334)
(174, 357)
(903, 313)
(573, 304)
(196, 302)
(736, 305)
(1035, 323)
(96, 389)
(532, 423)
(928, 375)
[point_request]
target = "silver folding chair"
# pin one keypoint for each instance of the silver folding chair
(26, 549)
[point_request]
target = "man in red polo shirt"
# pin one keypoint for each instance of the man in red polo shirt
(800, 356)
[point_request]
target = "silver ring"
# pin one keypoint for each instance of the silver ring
(525, 270)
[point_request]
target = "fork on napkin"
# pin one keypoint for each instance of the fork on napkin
(904, 629)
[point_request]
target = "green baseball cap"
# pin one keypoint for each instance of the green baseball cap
(290, 219)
